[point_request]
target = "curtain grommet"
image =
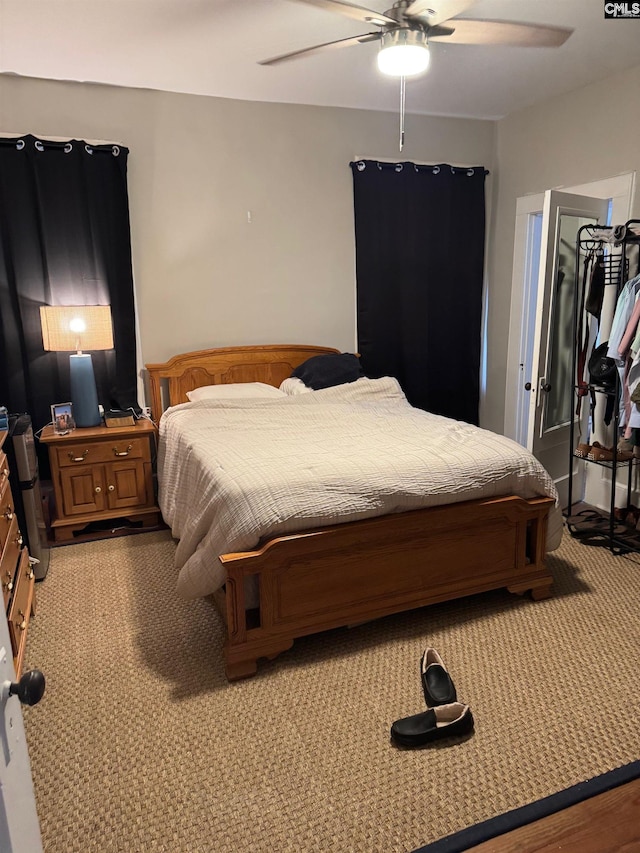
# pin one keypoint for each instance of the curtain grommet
(38, 145)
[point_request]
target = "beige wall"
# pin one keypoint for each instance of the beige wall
(588, 135)
(204, 276)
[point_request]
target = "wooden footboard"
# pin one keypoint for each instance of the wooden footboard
(348, 573)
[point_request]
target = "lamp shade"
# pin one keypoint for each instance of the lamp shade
(69, 328)
(403, 53)
(76, 327)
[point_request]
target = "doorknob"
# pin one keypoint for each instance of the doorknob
(29, 689)
(546, 387)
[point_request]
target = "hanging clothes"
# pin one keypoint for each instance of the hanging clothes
(623, 331)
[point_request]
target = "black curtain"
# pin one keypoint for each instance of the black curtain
(420, 233)
(64, 240)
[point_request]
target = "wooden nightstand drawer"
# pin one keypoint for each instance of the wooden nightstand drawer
(91, 452)
(9, 559)
(21, 608)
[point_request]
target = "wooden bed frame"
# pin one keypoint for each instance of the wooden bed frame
(357, 571)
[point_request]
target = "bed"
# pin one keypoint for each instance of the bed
(387, 558)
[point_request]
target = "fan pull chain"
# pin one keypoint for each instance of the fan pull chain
(402, 99)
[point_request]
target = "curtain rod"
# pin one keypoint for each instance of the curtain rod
(68, 145)
(417, 162)
(436, 168)
(47, 138)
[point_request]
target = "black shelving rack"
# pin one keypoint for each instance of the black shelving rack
(616, 272)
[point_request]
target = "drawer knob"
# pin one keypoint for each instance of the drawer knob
(78, 458)
(98, 489)
(8, 584)
(8, 513)
(22, 625)
(5, 472)
(19, 540)
(112, 488)
(30, 688)
(126, 452)
(29, 573)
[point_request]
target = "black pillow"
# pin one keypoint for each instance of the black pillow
(324, 371)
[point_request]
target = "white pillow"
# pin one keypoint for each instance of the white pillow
(293, 386)
(235, 390)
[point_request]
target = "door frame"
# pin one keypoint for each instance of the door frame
(619, 190)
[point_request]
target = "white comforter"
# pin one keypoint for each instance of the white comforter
(232, 472)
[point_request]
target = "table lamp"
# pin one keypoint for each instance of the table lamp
(66, 328)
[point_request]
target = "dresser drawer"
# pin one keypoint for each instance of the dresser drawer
(7, 513)
(9, 559)
(21, 607)
(103, 451)
(4, 471)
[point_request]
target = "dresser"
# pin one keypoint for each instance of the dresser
(18, 579)
(100, 474)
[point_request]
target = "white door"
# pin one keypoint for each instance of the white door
(19, 828)
(552, 403)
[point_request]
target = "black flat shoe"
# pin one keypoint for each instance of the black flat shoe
(436, 681)
(437, 723)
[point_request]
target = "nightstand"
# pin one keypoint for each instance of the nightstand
(101, 473)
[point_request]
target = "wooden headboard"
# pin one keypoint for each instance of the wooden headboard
(182, 373)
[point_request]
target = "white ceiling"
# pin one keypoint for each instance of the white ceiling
(212, 47)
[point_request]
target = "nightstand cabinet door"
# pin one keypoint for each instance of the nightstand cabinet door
(83, 489)
(127, 484)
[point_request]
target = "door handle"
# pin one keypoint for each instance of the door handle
(546, 387)
(29, 689)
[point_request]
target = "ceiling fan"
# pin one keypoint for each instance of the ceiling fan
(406, 30)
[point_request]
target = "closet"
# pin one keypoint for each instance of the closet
(605, 384)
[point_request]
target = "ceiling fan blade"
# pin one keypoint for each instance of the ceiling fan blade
(330, 45)
(436, 11)
(359, 13)
(467, 31)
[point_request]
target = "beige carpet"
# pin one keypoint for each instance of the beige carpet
(140, 744)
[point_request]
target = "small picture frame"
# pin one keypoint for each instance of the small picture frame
(62, 418)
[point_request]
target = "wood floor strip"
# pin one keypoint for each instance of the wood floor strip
(606, 823)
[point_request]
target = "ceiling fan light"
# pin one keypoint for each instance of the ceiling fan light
(403, 53)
